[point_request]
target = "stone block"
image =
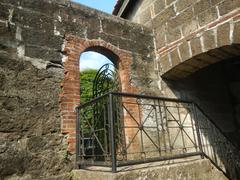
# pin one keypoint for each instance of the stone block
(160, 37)
(201, 6)
(186, 67)
(207, 16)
(12, 2)
(214, 2)
(209, 40)
(210, 59)
(184, 50)
(223, 35)
(159, 6)
(183, 4)
(228, 6)
(181, 18)
(112, 28)
(175, 74)
(236, 33)
(175, 57)
(39, 6)
(218, 55)
(197, 62)
(73, 28)
(41, 53)
(164, 63)
(173, 34)
(196, 46)
(189, 27)
(32, 19)
(169, 1)
(41, 38)
(164, 16)
(232, 49)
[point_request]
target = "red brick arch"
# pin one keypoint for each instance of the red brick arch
(70, 95)
(217, 41)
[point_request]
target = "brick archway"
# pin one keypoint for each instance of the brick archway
(70, 95)
(217, 41)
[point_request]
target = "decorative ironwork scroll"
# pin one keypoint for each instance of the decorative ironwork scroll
(106, 80)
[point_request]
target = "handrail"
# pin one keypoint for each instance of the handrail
(164, 116)
(150, 97)
(158, 98)
(133, 95)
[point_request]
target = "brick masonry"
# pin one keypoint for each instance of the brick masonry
(186, 30)
(70, 96)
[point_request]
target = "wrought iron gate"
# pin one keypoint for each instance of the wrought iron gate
(95, 125)
(106, 80)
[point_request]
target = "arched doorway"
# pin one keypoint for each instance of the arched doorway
(215, 89)
(101, 66)
(98, 75)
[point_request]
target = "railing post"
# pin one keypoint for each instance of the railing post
(198, 131)
(112, 134)
(77, 136)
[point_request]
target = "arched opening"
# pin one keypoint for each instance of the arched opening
(98, 76)
(98, 73)
(215, 88)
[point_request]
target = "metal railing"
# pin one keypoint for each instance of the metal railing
(120, 129)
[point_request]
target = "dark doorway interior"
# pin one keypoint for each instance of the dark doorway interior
(216, 89)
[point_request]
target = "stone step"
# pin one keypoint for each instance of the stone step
(187, 169)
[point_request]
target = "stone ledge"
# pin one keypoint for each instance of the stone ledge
(195, 169)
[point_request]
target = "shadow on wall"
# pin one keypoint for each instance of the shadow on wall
(215, 89)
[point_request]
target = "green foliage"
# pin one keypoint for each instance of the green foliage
(86, 84)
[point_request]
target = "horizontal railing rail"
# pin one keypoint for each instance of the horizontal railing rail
(119, 129)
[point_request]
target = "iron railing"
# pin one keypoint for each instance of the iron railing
(120, 129)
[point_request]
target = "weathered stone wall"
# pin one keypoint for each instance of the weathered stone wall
(185, 29)
(34, 67)
(191, 35)
(30, 138)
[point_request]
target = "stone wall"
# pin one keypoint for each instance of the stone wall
(35, 73)
(191, 35)
(30, 138)
(184, 29)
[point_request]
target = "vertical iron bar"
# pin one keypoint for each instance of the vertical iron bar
(77, 136)
(168, 133)
(198, 130)
(193, 130)
(123, 128)
(181, 129)
(157, 124)
(162, 125)
(207, 143)
(105, 128)
(140, 127)
(112, 134)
